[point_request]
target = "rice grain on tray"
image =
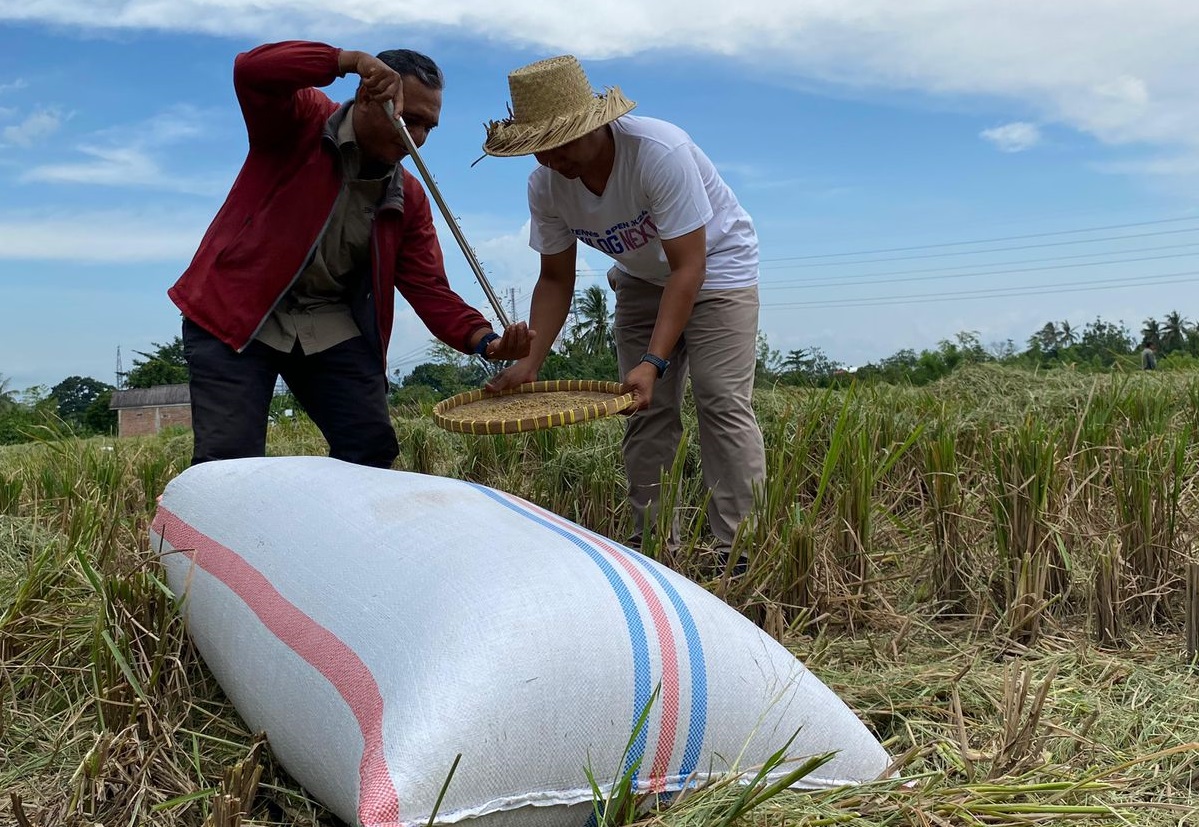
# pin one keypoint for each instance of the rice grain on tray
(531, 404)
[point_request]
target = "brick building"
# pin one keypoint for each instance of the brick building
(144, 411)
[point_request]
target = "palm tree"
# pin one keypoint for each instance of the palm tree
(1151, 332)
(1065, 334)
(6, 394)
(1174, 332)
(592, 330)
(1046, 338)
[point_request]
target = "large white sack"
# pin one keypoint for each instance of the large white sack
(377, 623)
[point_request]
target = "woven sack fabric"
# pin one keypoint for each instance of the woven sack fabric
(376, 624)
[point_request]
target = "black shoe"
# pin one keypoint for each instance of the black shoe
(722, 564)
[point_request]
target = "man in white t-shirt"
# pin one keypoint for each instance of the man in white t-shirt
(685, 278)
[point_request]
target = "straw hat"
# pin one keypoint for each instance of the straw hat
(552, 104)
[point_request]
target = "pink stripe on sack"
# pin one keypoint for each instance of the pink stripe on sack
(670, 662)
(379, 804)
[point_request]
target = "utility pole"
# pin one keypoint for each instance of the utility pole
(120, 371)
(512, 302)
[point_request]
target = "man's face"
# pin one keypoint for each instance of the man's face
(377, 134)
(573, 159)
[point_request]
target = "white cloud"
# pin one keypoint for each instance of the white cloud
(127, 156)
(1013, 137)
(129, 167)
(751, 176)
(38, 125)
(11, 85)
(1122, 72)
(506, 256)
(1164, 166)
(101, 237)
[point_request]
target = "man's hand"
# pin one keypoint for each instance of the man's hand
(640, 382)
(514, 344)
(514, 375)
(381, 82)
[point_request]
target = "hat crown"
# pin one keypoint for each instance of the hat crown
(548, 89)
(552, 104)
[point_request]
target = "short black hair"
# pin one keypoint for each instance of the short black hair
(408, 63)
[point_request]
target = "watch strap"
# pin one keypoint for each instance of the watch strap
(658, 362)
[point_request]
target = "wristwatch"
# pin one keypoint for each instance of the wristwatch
(658, 362)
(481, 347)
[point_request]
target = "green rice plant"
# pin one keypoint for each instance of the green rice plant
(510, 456)
(1152, 474)
(1108, 598)
(952, 565)
(1189, 403)
(542, 446)
(11, 486)
(667, 536)
(794, 580)
(296, 436)
(866, 456)
(153, 470)
(29, 562)
(1147, 405)
(239, 786)
(1192, 613)
(1097, 423)
(480, 459)
(420, 446)
(445, 786)
(619, 803)
(855, 509)
(1033, 565)
(1021, 746)
(580, 477)
(778, 538)
(721, 802)
(735, 797)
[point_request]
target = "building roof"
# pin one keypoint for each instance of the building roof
(154, 397)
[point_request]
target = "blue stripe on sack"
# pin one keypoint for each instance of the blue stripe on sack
(641, 665)
(699, 669)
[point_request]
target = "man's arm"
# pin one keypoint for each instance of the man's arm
(382, 83)
(688, 258)
(551, 302)
(274, 84)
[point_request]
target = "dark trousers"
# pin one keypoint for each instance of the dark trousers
(343, 389)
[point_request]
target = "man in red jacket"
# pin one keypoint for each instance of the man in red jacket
(295, 275)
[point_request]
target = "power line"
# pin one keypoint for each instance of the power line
(1001, 292)
(773, 283)
(1014, 248)
(992, 240)
(850, 283)
(977, 252)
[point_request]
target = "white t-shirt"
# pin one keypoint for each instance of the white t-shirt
(662, 186)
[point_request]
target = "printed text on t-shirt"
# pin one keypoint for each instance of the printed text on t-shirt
(623, 237)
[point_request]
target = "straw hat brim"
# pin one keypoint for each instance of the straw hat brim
(508, 139)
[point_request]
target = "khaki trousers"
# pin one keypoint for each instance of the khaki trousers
(718, 349)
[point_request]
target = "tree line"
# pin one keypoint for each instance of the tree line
(587, 350)
(80, 404)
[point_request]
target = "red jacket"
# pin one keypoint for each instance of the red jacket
(260, 240)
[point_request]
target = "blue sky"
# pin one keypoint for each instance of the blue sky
(1045, 152)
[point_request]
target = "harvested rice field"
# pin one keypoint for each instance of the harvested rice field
(996, 572)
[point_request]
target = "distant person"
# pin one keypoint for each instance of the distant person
(1149, 356)
(686, 276)
(296, 274)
